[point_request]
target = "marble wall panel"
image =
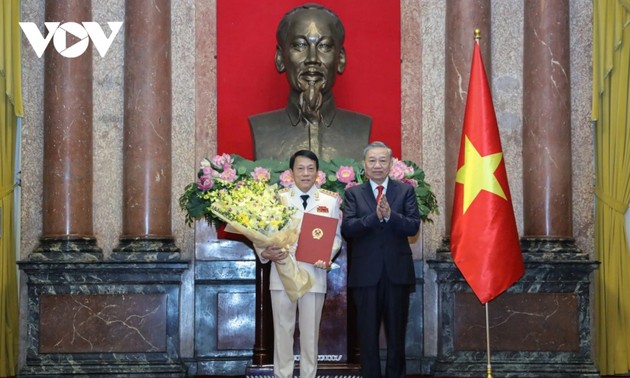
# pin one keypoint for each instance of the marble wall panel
(102, 323)
(518, 322)
(236, 325)
(224, 316)
(126, 316)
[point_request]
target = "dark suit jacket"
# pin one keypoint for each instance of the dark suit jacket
(375, 245)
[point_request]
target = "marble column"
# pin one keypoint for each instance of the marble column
(547, 212)
(462, 18)
(146, 232)
(67, 232)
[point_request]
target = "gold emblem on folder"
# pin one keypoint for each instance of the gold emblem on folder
(317, 233)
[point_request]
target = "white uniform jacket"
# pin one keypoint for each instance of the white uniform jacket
(320, 202)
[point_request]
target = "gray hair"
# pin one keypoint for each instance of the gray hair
(285, 22)
(376, 144)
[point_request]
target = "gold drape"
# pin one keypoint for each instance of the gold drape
(611, 112)
(10, 108)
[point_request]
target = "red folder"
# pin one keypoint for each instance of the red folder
(316, 239)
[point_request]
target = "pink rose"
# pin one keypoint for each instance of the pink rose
(261, 174)
(229, 175)
(222, 161)
(345, 174)
(400, 169)
(286, 178)
(397, 172)
(321, 178)
(204, 183)
(208, 171)
(411, 182)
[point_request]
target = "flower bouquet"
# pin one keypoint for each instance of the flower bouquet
(248, 205)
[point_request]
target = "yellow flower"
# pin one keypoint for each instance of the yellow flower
(254, 205)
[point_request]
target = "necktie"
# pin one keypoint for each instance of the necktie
(304, 199)
(380, 193)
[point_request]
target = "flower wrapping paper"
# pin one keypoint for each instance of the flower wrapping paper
(296, 282)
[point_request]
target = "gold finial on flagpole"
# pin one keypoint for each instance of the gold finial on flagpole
(477, 35)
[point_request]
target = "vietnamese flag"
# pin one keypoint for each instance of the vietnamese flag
(484, 240)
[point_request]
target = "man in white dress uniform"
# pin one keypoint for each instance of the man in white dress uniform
(307, 198)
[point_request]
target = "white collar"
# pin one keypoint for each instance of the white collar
(374, 185)
(313, 191)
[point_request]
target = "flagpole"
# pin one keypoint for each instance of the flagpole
(489, 364)
(489, 372)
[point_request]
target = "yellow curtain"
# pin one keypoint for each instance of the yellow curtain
(611, 112)
(10, 109)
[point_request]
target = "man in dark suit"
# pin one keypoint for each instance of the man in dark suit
(378, 217)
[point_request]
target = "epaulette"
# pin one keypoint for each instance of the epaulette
(283, 190)
(330, 193)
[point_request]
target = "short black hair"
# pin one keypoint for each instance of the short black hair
(285, 22)
(305, 153)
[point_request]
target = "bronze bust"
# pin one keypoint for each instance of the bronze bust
(310, 50)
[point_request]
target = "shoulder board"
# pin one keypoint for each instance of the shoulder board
(329, 192)
(283, 190)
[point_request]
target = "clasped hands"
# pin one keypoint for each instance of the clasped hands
(278, 254)
(383, 211)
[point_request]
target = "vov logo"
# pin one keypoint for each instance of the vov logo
(58, 32)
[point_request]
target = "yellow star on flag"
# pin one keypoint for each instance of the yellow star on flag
(477, 174)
